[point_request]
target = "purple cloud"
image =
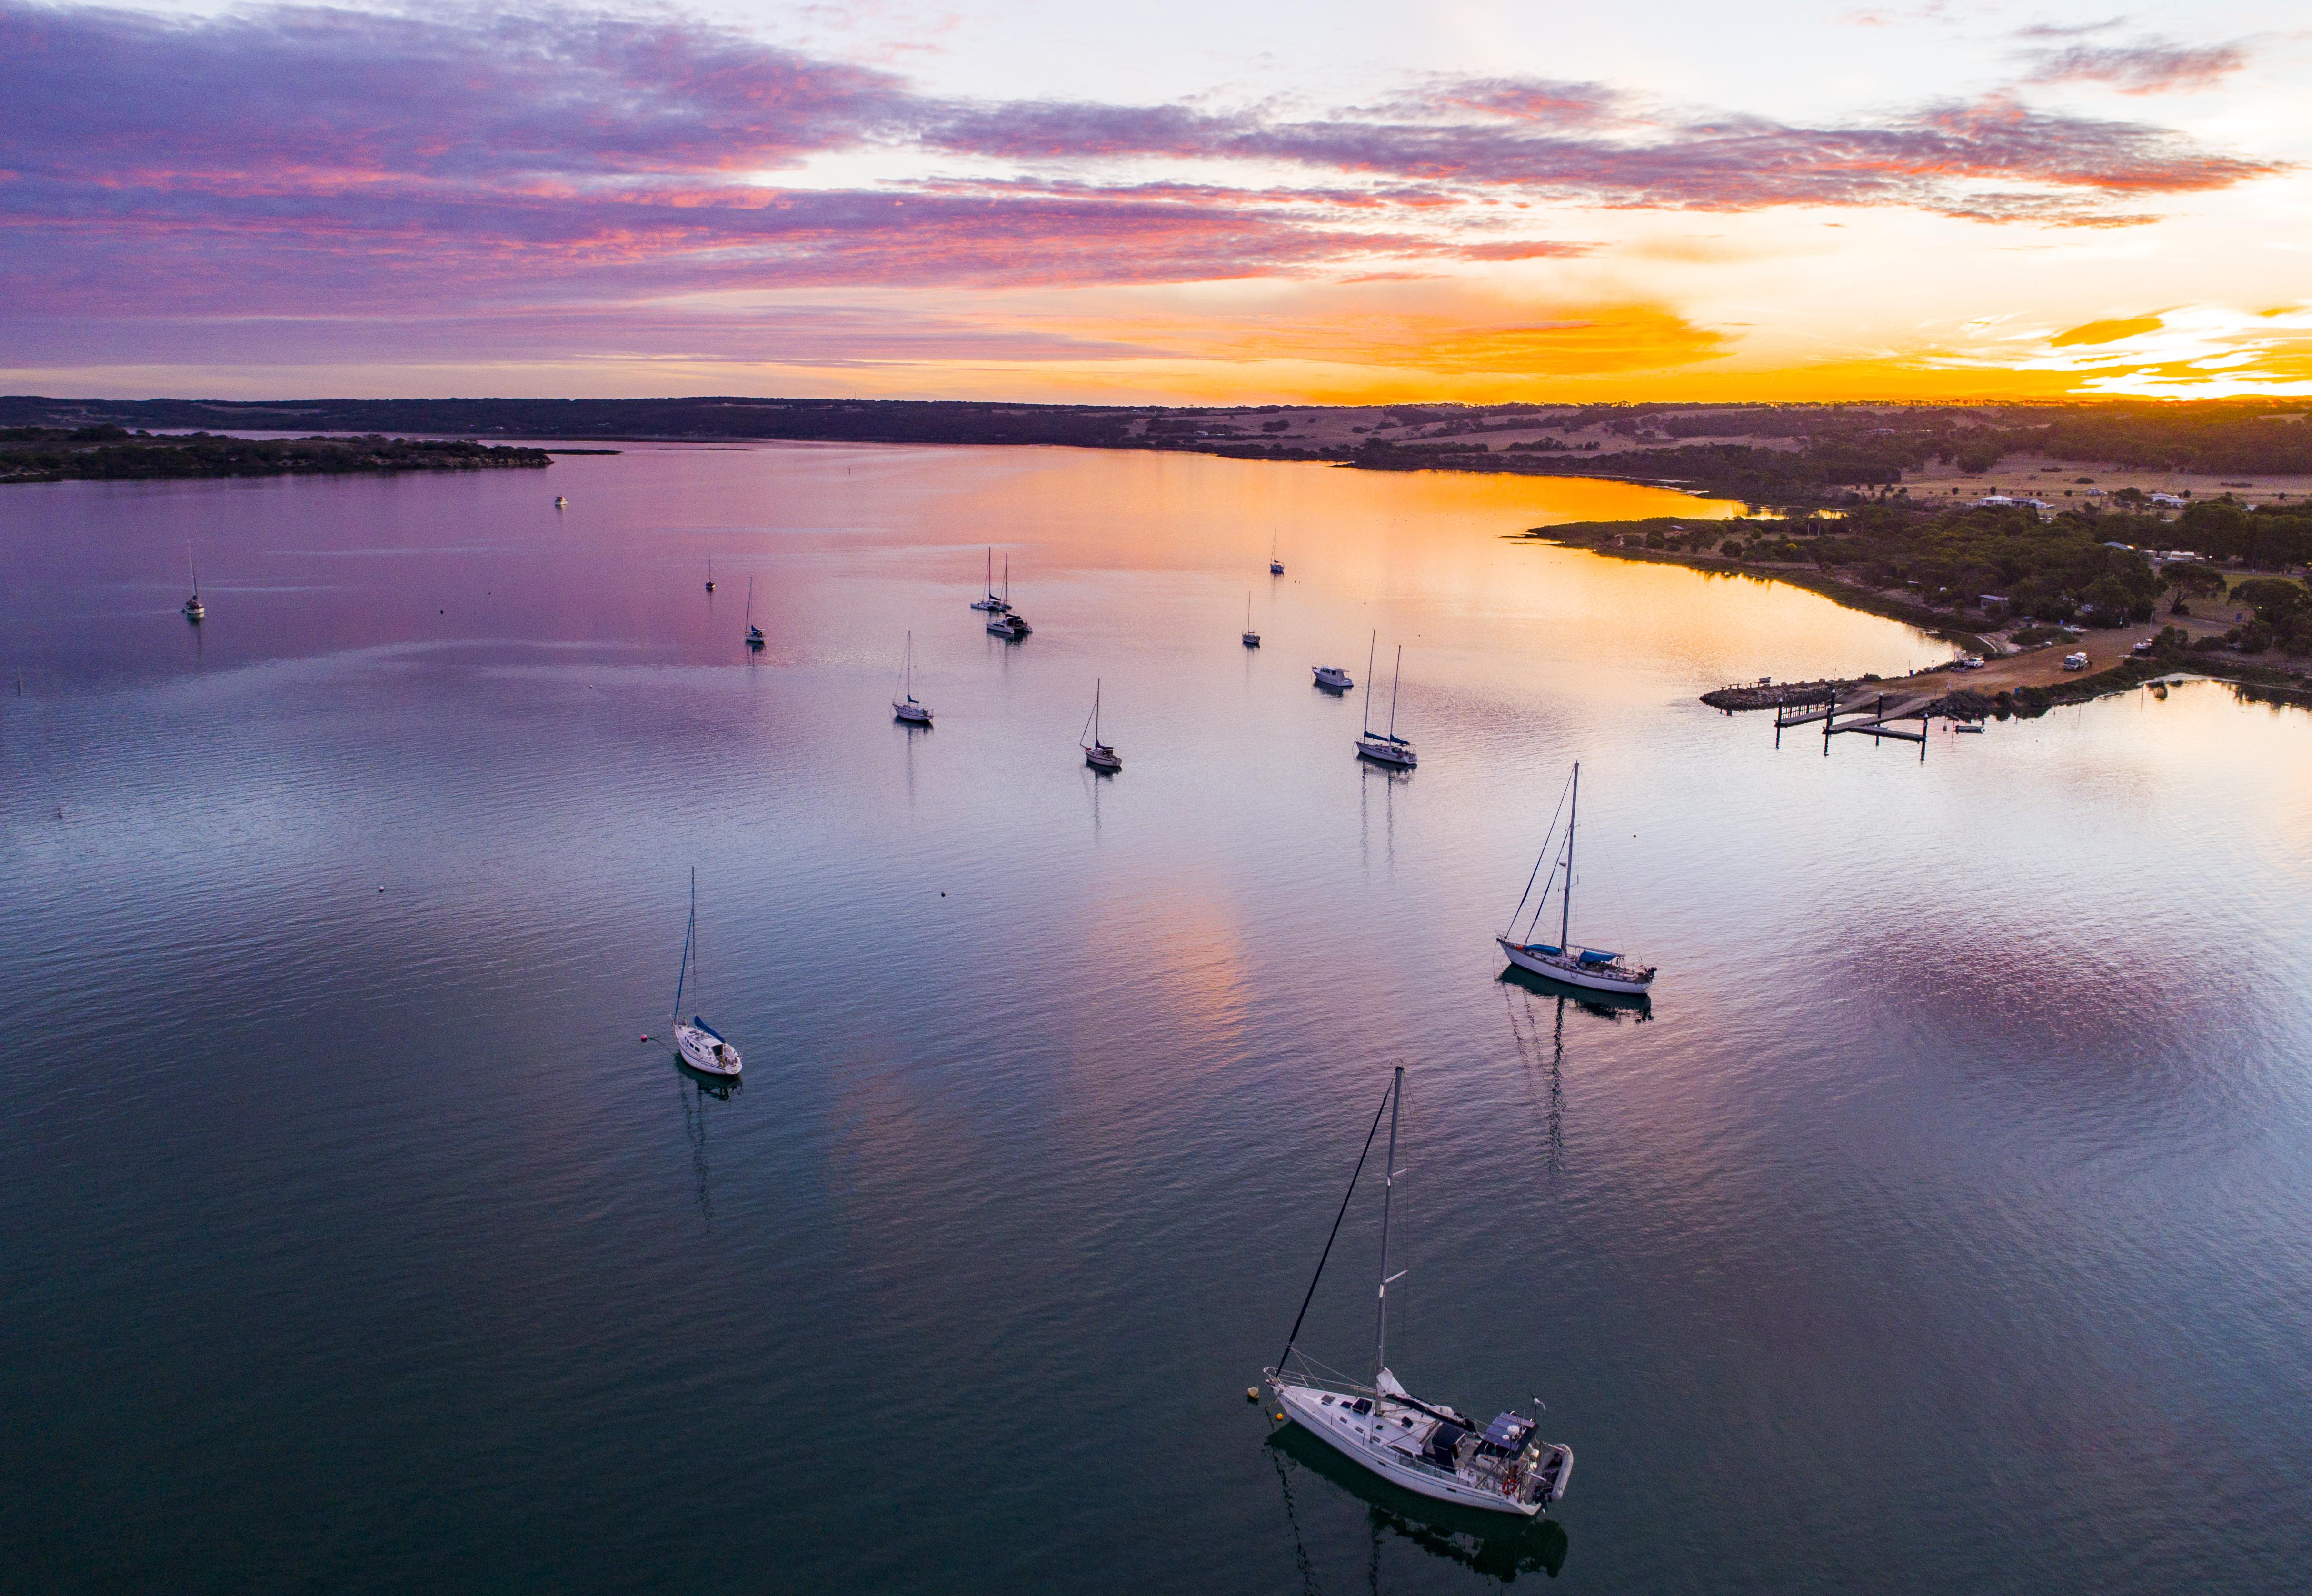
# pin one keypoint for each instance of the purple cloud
(326, 163)
(2149, 66)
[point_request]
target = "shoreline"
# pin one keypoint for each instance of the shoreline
(2023, 683)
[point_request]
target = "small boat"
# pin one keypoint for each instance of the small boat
(194, 608)
(710, 572)
(1389, 748)
(700, 1045)
(1251, 637)
(1333, 678)
(1564, 961)
(1275, 565)
(560, 503)
(905, 706)
(1098, 754)
(991, 603)
(1976, 731)
(754, 632)
(1426, 1447)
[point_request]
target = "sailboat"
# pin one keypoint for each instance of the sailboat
(701, 1046)
(905, 707)
(1275, 565)
(194, 608)
(1008, 623)
(710, 572)
(1389, 748)
(1426, 1447)
(1251, 637)
(1098, 754)
(990, 603)
(754, 632)
(1563, 960)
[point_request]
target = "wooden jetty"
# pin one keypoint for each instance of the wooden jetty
(1872, 721)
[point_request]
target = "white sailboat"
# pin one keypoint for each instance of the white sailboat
(1425, 1447)
(905, 706)
(1251, 637)
(1275, 565)
(990, 603)
(700, 1045)
(1563, 960)
(1389, 748)
(754, 632)
(193, 609)
(1008, 623)
(1098, 754)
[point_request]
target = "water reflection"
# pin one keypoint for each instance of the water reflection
(1496, 1547)
(693, 1088)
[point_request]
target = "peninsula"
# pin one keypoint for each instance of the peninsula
(106, 452)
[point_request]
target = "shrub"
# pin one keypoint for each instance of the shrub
(1732, 548)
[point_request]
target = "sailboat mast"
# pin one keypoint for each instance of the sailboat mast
(1393, 680)
(689, 935)
(1565, 909)
(1370, 644)
(1388, 1190)
(1095, 711)
(191, 569)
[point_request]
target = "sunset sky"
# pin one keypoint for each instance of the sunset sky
(1186, 201)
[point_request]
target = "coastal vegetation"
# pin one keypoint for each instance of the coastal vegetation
(104, 452)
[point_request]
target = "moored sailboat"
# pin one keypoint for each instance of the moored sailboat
(1098, 754)
(1387, 748)
(699, 1045)
(193, 609)
(1564, 961)
(1251, 637)
(990, 603)
(754, 632)
(1275, 565)
(1008, 623)
(1425, 1447)
(905, 706)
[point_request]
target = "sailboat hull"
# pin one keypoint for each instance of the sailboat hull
(704, 1051)
(914, 714)
(1380, 751)
(1377, 1442)
(1570, 970)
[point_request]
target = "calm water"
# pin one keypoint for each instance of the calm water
(1945, 1227)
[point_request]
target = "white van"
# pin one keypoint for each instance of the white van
(2075, 662)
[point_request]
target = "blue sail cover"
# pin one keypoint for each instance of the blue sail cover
(1592, 956)
(1508, 1431)
(1549, 948)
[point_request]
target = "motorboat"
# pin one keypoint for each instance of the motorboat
(1386, 748)
(699, 1044)
(1333, 678)
(1428, 1448)
(1563, 960)
(1098, 754)
(905, 706)
(193, 609)
(1251, 637)
(992, 603)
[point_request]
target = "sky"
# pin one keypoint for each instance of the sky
(1188, 202)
